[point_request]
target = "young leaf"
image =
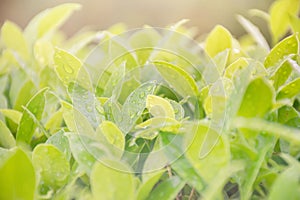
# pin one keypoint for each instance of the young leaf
(284, 48)
(286, 185)
(67, 66)
(7, 140)
(13, 38)
(27, 125)
(13, 115)
(205, 144)
(256, 103)
(17, 177)
(175, 75)
(254, 32)
(295, 23)
(282, 73)
(61, 142)
(167, 189)
(135, 105)
(49, 20)
(25, 94)
(52, 165)
(290, 90)
(147, 185)
(279, 16)
(112, 180)
(218, 40)
(113, 134)
(159, 107)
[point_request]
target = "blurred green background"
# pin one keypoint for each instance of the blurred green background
(203, 14)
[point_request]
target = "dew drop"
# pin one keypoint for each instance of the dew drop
(68, 69)
(142, 95)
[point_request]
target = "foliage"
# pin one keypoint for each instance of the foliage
(150, 113)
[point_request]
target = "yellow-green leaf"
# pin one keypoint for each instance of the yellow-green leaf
(218, 40)
(286, 47)
(112, 180)
(7, 140)
(13, 115)
(13, 38)
(180, 80)
(279, 16)
(17, 177)
(113, 134)
(159, 107)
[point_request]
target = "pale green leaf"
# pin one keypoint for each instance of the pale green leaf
(279, 16)
(27, 125)
(17, 177)
(49, 20)
(13, 38)
(51, 164)
(254, 32)
(112, 180)
(113, 134)
(13, 115)
(218, 40)
(135, 105)
(175, 75)
(256, 103)
(7, 140)
(159, 107)
(167, 189)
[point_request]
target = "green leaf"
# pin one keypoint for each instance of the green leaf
(250, 173)
(148, 184)
(135, 105)
(76, 121)
(239, 64)
(87, 150)
(256, 103)
(112, 180)
(27, 125)
(279, 16)
(17, 177)
(85, 102)
(13, 115)
(49, 20)
(214, 189)
(218, 40)
(7, 140)
(113, 134)
(13, 38)
(290, 90)
(286, 113)
(205, 145)
(259, 125)
(175, 75)
(43, 52)
(284, 48)
(167, 189)
(295, 23)
(52, 165)
(67, 66)
(254, 32)
(286, 185)
(25, 94)
(159, 107)
(282, 73)
(60, 141)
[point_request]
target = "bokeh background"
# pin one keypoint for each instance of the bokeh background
(101, 14)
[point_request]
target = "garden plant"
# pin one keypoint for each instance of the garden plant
(151, 113)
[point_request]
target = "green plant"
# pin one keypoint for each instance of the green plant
(150, 113)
